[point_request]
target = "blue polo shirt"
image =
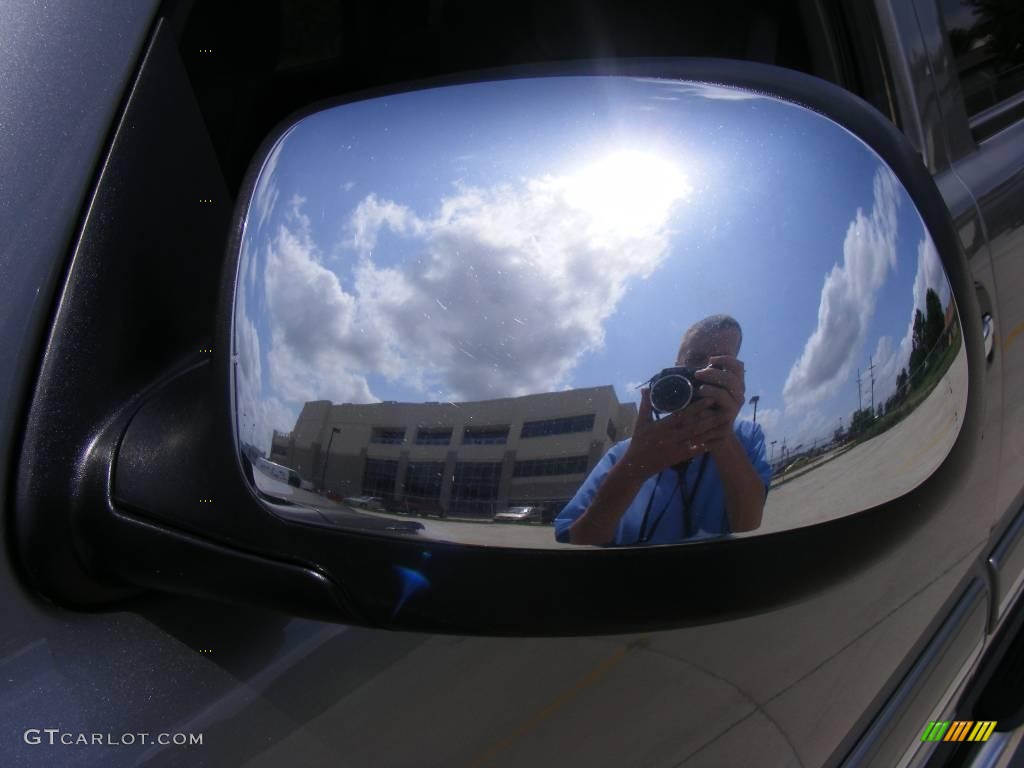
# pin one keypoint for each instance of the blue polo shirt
(665, 516)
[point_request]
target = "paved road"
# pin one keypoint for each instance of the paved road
(879, 470)
(321, 511)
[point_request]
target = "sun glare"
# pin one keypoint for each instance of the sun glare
(630, 192)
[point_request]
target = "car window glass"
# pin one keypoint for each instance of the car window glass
(987, 41)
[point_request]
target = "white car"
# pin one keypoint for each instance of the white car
(519, 515)
(371, 503)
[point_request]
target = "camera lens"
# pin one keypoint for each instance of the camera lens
(670, 393)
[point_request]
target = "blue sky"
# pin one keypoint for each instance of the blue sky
(531, 235)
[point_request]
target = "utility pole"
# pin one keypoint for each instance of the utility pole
(871, 368)
(327, 457)
(860, 405)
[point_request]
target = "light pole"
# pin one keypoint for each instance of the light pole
(327, 456)
(772, 444)
(754, 400)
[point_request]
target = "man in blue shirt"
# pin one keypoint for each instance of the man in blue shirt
(694, 473)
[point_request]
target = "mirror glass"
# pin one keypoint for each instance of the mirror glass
(572, 311)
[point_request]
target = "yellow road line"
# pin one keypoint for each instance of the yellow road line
(560, 701)
(1016, 331)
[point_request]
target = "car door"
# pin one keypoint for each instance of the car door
(981, 94)
(799, 685)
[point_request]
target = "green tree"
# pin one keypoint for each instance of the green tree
(861, 420)
(890, 404)
(902, 380)
(935, 319)
(918, 349)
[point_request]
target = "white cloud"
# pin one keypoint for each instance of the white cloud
(267, 192)
(317, 340)
(888, 361)
(257, 416)
(848, 299)
(814, 427)
(249, 374)
(249, 259)
(513, 283)
(273, 415)
(507, 288)
(929, 274)
(768, 418)
(372, 215)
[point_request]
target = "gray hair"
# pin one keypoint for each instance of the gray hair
(710, 324)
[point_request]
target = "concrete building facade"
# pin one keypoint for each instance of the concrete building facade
(468, 459)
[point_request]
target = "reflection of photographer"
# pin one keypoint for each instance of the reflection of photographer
(690, 469)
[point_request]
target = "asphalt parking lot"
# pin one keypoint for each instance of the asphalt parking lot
(879, 470)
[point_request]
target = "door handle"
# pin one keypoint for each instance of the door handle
(988, 332)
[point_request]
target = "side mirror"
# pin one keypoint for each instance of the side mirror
(447, 309)
(448, 301)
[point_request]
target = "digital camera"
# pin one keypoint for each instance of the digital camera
(673, 389)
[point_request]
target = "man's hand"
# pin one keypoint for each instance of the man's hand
(744, 489)
(724, 386)
(659, 444)
(655, 446)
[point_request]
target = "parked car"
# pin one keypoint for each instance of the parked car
(280, 473)
(159, 612)
(519, 515)
(371, 503)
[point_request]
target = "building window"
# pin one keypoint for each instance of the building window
(387, 436)
(379, 477)
(423, 480)
(433, 436)
(485, 435)
(558, 426)
(565, 465)
(612, 434)
(475, 488)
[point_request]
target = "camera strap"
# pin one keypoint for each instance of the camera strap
(686, 499)
(688, 527)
